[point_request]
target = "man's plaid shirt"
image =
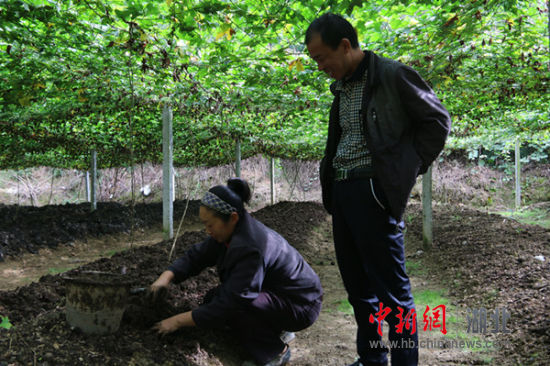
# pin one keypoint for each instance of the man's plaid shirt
(352, 149)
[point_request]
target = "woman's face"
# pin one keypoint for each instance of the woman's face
(218, 229)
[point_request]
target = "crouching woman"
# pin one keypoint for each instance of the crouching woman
(267, 289)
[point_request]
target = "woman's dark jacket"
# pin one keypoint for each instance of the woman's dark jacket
(405, 126)
(257, 259)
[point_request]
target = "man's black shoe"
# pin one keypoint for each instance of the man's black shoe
(359, 363)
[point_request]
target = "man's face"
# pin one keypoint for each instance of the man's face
(335, 63)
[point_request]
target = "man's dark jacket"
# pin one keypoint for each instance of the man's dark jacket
(405, 126)
(257, 259)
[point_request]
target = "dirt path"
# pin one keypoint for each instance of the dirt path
(28, 267)
(331, 340)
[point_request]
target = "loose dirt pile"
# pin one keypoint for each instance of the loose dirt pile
(29, 228)
(493, 262)
(42, 336)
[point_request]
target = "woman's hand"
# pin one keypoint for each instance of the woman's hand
(173, 323)
(167, 325)
(163, 281)
(159, 288)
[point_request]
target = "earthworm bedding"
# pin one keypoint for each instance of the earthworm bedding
(481, 259)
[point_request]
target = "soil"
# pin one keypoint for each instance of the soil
(482, 260)
(28, 228)
(488, 261)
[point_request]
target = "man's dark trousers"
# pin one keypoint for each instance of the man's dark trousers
(370, 253)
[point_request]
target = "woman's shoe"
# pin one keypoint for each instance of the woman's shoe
(282, 359)
(287, 337)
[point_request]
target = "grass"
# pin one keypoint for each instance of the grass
(455, 321)
(430, 297)
(535, 216)
(54, 271)
(423, 298)
(456, 218)
(345, 307)
(492, 294)
(433, 298)
(415, 268)
(110, 253)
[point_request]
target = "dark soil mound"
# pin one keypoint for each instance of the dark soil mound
(37, 311)
(29, 228)
(294, 221)
(490, 261)
(42, 336)
(485, 260)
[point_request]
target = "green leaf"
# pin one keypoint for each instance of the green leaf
(5, 323)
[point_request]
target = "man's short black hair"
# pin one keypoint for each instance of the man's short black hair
(332, 28)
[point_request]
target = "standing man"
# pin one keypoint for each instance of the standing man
(386, 127)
